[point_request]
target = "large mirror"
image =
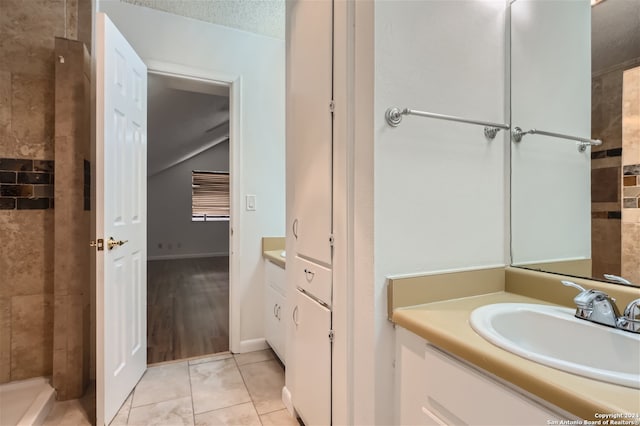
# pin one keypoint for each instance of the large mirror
(575, 72)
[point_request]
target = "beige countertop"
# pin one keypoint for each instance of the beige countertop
(271, 249)
(446, 324)
(274, 257)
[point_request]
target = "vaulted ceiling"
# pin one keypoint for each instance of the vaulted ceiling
(185, 118)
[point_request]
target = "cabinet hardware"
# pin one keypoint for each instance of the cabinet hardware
(278, 312)
(295, 315)
(332, 106)
(331, 336)
(274, 310)
(294, 228)
(309, 274)
(331, 240)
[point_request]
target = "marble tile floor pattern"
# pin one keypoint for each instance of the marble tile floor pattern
(223, 389)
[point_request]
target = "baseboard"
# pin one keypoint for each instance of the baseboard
(186, 256)
(253, 345)
(288, 402)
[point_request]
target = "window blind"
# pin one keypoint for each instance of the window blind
(209, 195)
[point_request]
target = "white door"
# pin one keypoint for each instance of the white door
(121, 194)
(312, 387)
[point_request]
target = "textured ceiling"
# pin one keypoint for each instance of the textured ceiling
(615, 33)
(264, 17)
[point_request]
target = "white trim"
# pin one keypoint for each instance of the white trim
(252, 345)
(234, 82)
(288, 402)
(187, 256)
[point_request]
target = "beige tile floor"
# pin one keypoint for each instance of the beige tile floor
(223, 389)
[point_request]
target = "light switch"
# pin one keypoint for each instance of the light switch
(251, 202)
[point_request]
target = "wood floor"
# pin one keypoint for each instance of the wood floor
(187, 308)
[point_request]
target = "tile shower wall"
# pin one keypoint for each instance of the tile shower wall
(71, 331)
(606, 172)
(26, 184)
(27, 31)
(631, 175)
(631, 186)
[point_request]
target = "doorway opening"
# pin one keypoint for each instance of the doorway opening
(188, 216)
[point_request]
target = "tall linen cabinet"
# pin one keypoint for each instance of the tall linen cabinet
(310, 207)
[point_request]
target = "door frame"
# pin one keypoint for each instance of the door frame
(234, 82)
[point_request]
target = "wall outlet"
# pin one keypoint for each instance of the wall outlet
(251, 202)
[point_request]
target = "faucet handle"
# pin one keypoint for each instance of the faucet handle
(630, 320)
(617, 279)
(594, 305)
(572, 284)
(632, 311)
(587, 296)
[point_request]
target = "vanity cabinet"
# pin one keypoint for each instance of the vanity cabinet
(274, 311)
(434, 388)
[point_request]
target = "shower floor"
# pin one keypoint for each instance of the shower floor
(25, 402)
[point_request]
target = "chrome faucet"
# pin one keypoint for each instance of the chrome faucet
(596, 306)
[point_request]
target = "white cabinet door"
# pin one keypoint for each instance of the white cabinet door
(410, 374)
(274, 325)
(274, 309)
(310, 92)
(312, 376)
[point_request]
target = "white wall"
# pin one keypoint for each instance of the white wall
(551, 90)
(169, 211)
(439, 187)
(258, 62)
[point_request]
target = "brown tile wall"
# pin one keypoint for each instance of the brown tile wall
(607, 193)
(27, 36)
(631, 175)
(606, 162)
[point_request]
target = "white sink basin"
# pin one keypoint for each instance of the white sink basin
(552, 336)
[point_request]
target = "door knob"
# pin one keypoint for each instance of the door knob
(111, 243)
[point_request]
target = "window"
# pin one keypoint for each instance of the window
(209, 196)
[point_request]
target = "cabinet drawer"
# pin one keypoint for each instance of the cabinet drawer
(459, 394)
(275, 277)
(313, 279)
